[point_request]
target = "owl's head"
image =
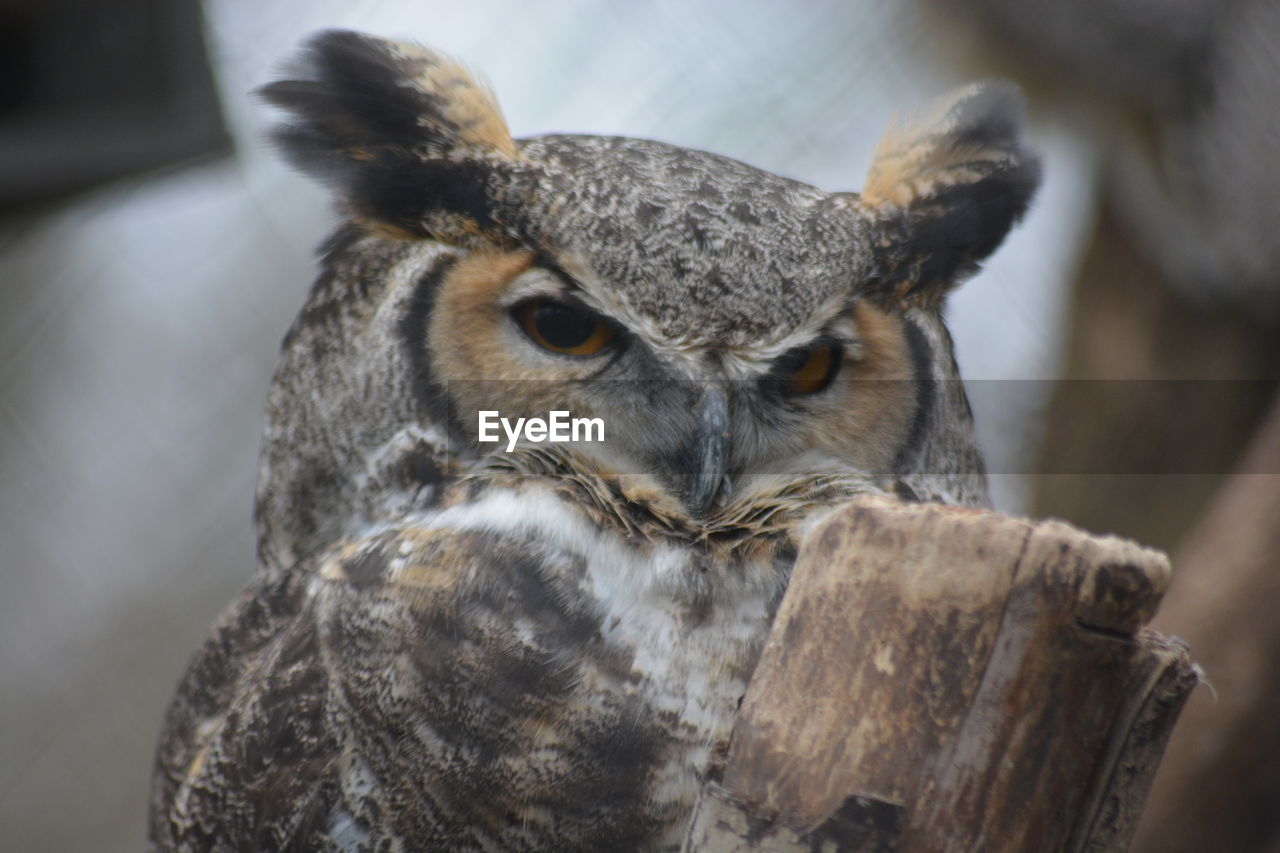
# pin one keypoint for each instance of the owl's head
(736, 332)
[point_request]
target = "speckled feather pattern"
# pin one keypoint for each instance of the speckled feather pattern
(767, 252)
(451, 647)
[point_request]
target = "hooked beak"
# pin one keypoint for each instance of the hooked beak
(708, 450)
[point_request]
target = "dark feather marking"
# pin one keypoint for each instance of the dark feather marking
(367, 568)
(405, 192)
(955, 229)
(905, 492)
(926, 394)
(430, 393)
(419, 468)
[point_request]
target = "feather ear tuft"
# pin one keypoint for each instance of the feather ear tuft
(949, 187)
(407, 137)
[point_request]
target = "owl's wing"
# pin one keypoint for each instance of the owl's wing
(246, 755)
(450, 688)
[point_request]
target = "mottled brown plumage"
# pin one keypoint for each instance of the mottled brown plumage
(449, 645)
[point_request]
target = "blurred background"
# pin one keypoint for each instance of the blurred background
(1121, 347)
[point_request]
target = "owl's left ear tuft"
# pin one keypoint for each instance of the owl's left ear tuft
(410, 141)
(946, 189)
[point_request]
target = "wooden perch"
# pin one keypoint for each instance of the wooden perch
(946, 679)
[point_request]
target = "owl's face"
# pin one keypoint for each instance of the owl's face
(701, 389)
(732, 329)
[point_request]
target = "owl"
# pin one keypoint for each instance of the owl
(536, 642)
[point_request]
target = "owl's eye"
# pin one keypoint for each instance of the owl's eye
(563, 328)
(808, 370)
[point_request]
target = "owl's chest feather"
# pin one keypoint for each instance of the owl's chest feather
(691, 625)
(692, 639)
(687, 629)
(692, 653)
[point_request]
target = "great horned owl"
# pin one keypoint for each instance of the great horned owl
(535, 645)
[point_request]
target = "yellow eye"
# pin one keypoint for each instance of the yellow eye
(563, 328)
(809, 370)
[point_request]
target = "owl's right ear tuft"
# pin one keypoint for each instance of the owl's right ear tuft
(406, 136)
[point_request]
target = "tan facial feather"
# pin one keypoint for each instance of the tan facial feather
(875, 396)
(481, 356)
(464, 335)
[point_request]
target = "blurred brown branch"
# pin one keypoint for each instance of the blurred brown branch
(1220, 783)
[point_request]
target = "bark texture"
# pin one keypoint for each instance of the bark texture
(943, 679)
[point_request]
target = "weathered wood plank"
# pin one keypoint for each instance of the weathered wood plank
(982, 678)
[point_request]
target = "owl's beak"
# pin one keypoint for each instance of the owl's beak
(710, 447)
